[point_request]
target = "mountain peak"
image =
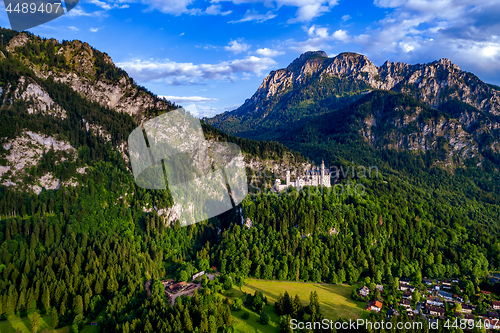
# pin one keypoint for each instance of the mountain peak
(297, 63)
(448, 63)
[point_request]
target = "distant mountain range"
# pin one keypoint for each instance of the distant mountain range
(317, 102)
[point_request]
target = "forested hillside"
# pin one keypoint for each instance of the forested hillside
(80, 241)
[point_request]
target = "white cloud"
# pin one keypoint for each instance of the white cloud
(73, 28)
(236, 47)
(319, 32)
(216, 10)
(309, 11)
(76, 12)
(251, 15)
(346, 18)
(174, 7)
(204, 110)
(101, 4)
(319, 39)
(192, 99)
(340, 35)
(490, 50)
(265, 52)
(188, 73)
(94, 29)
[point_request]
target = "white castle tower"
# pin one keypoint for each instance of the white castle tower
(287, 178)
(322, 172)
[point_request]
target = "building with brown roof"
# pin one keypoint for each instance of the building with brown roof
(435, 311)
(375, 306)
(177, 286)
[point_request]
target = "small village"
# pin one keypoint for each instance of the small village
(175, 289)
(436, 300)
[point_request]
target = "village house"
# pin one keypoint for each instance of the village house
(446, 284)
(427, 282)
(458, 298)
(468, 317)
(485, 292)
(467, 308)
(435, 311)
(446, 295)
(375, 306)
(435, 302)
(404, 281)
(407, 295)
(495, 305)
(490, 324)
(404, 287)
(492, 315)
(364, 291)
(380, 288)
(177, 286)
(198, 275)
(167, 283)
(406, 304)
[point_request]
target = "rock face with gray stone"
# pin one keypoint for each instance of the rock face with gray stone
(122, 95)
(430, 81)
(24, 152)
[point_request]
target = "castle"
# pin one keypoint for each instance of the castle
(313, 177)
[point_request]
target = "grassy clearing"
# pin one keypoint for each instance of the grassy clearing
(335, 300)
(252, 325)
(24, 324)
(90, 329)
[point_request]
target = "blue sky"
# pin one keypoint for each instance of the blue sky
(215, 54)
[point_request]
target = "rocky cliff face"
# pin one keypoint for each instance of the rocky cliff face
(81, 74)
(432, 83)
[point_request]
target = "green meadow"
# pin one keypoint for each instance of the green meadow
(335, 302)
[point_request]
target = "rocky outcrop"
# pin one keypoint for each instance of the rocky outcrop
(123, 97)
(432, 83)
(26, 151)
(80, 73)
(37, 99)
(19, 40)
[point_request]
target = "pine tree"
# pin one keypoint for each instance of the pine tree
(279, 305)
(46, 299)
(35, 322)
(55, 319)
(297, 309)
(227, 317)
(188, 323)
(204, 323)
(287, 304)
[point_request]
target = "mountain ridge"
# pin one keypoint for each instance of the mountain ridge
(317, 86)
